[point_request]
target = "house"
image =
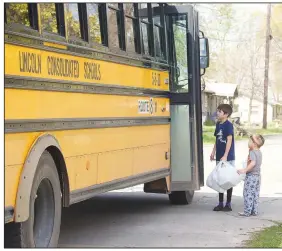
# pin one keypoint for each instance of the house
(274, 108)
(277, 111)
(277, 108)
(217, 93)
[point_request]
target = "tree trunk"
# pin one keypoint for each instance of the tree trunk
(251, 103)
(265, 98)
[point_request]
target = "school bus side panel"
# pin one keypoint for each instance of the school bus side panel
(93, 156)
(33, 104)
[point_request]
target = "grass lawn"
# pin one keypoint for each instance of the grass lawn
(208, 131)
(209, 138)
(270, 237)
(269, 131)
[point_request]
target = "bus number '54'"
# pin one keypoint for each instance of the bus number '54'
(156, 79)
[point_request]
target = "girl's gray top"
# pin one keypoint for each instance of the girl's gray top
(257, 157)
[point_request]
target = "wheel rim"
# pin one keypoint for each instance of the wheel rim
(44, 214)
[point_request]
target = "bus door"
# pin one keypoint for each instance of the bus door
(185, 98)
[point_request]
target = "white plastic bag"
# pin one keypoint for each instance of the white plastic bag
(212, 181)
(227, 175)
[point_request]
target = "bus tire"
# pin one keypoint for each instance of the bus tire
(42, 229)
(181, 197)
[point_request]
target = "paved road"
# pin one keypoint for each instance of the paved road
(135, 219)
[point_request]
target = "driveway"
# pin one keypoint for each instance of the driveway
(130, 218)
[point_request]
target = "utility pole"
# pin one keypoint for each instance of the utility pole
(266, 69)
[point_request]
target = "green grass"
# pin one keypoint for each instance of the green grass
(208, 131)
(270, 237)
(268, 131)
(209, 138)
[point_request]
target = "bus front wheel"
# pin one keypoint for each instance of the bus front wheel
(42, 229)
(181, 197)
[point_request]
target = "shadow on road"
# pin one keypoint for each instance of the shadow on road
(143, 220)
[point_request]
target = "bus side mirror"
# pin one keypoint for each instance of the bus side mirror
(204, 53)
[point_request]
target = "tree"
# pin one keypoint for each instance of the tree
(276, 49)
(17, 13)
(72, 17)
(48, 17)
(94, 23)
(217, 26)
(253, 63)
(256, 83)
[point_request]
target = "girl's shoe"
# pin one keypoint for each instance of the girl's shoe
(243, 214)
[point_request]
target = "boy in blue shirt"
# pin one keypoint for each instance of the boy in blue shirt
(224, 148)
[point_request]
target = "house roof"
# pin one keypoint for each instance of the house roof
(221, 89)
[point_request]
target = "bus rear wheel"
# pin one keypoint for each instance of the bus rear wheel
(181, 197)
(42, 229)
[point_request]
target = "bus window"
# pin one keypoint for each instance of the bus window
(129, 9)
(130, 27)
(145, 28)
(157, 37)
(17, 13)
(114, 5)
(159, 31)
(94, 23)
(72, 17)
(145, 40)
(115, 26)
(181, 81)
(48, 15)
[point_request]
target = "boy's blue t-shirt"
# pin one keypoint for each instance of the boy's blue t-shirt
(221, 132)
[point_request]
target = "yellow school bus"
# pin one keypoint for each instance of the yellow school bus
(98, 97)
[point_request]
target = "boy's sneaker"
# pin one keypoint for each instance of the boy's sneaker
(219, 207)
(227, 208)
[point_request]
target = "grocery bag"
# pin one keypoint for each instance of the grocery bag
(212, 181)
(227, 175)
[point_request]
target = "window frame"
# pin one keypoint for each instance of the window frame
(60, 37)
(83, 20)
(103, 15)
(33, 13)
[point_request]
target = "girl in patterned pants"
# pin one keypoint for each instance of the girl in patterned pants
(251, 194)
(253, 178)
